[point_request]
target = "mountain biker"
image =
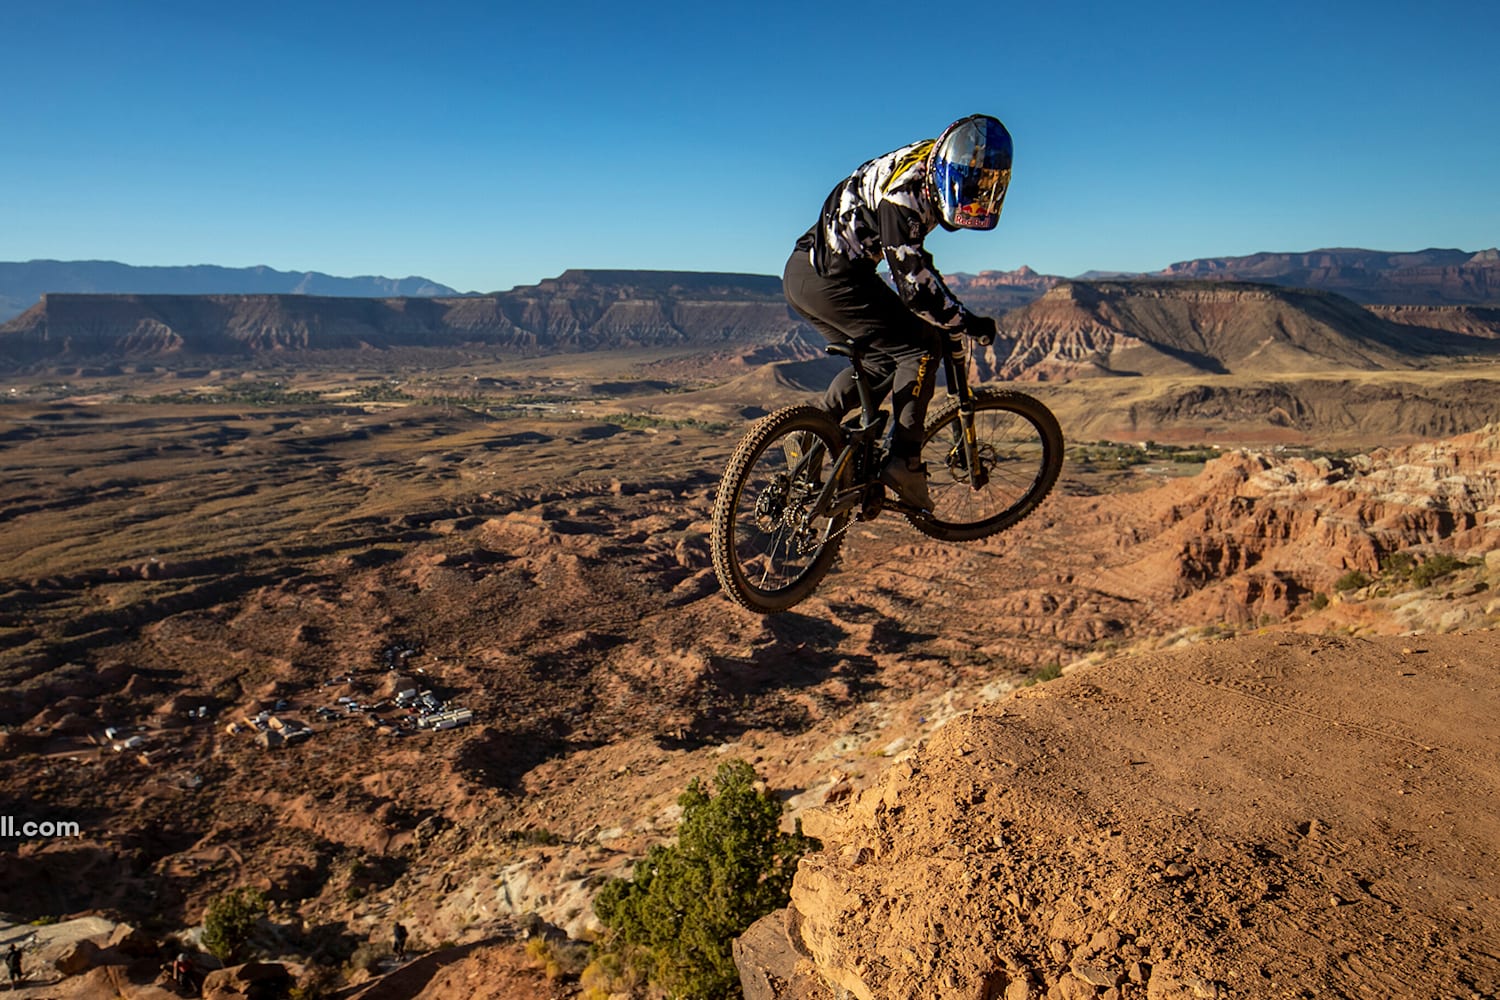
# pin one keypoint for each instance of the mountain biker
(884, 210)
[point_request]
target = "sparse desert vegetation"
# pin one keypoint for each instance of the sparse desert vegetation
(528, 539)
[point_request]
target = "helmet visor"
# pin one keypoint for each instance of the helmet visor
(972, 172)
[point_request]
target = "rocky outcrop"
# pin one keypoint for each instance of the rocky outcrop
(1027, 855)
(994, 292)
(1262, 536)
(1257, 536)
(1170, 826)
(253, 979)
(1471, 321)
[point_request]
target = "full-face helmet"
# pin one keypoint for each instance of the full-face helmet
(970, 171)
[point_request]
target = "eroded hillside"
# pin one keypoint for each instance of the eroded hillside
(1272, 816)
(1111, 328)
(172, 569)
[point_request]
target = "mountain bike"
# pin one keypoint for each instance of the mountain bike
(798, 480)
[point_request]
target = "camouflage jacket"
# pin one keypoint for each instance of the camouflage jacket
(883, 210)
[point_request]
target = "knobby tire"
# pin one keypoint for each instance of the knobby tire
(1021, 451)
(763, 562)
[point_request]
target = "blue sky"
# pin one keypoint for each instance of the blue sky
(491, 145)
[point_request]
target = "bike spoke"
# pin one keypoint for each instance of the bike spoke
(773, 537)
(765, 576)
(776, 535)
(1012, 454)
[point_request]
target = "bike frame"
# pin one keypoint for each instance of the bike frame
(797, 481)
(862, 446)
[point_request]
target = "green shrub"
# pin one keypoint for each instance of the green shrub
(1319, 601)
(607, 975)
(557, 959)
(1435, 568)
(676, 917)
(320, 983)
(1351, 580)
(368, 956)
(230, 918)
(531, 837)
(1050, 672)
(1398, 564)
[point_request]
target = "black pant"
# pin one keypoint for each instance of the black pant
(857, 303)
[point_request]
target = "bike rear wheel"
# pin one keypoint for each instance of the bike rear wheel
(770, 550)
(1020, 448)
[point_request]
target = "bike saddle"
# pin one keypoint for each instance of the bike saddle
(852, 349)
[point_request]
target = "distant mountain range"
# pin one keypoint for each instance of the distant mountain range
(577, 311)
(1076, 329)
(1423, 277)
(1370, 277)
(1373, 277)
(23, 283)
(1300, 314)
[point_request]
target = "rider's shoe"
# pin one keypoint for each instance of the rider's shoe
(908, 478)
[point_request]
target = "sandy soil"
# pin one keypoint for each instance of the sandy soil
(1271, 816)
(169, 558)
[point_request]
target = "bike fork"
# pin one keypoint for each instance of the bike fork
(955, 365)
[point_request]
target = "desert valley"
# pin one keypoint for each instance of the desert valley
(1218, 720)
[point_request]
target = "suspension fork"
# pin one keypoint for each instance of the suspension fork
(956, 370)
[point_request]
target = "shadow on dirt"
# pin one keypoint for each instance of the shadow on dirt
(500, 758)
(808, 670)
(411, 979)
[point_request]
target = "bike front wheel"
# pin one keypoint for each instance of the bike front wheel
(1020, 451)
(771, 543)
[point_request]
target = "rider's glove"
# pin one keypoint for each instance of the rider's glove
(980, 328)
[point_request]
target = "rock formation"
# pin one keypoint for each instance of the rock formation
(1428, 277)
(1186, 822)
(579, 310)
(1182, 328)
(1076, 328)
